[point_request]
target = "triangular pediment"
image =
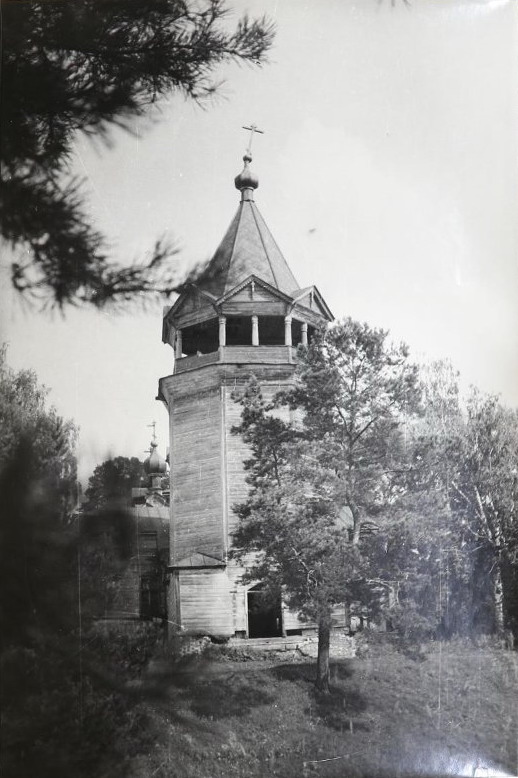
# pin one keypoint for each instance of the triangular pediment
(191, 299)
(311, 298)
(254, 289)
(193, 305)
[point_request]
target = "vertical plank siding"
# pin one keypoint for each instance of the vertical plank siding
(205, 598)
(207, 481)
(195, 453)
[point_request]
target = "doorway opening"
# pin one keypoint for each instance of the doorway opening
(264, 614)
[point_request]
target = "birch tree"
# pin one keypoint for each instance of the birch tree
(484, 495)
(465, 459)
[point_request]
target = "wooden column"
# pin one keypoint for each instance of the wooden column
(222, 330)
(304, 334)
(255, 330)
(178, 349)
(287, 330)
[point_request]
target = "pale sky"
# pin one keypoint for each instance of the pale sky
(388, 175)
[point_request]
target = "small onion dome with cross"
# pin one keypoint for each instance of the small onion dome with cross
(246, 180)
(154, 464)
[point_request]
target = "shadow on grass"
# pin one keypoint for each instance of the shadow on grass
(340, 709)
(217, 701)
(295, 673)
(339, 671)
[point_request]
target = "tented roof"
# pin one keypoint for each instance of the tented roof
(248, 248)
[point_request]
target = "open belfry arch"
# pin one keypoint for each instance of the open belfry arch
(246, 314)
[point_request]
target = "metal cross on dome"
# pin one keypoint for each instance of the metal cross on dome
(153, 424)
(253, 128)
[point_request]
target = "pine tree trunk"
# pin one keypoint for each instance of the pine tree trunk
(324, 636)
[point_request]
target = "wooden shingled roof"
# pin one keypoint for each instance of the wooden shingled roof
(248, 248)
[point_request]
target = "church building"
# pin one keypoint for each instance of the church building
(245, 315)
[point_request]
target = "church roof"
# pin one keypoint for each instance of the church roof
(247, 273)
(247, 249)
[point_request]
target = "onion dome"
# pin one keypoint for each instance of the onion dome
(246, 180)
(154, 463)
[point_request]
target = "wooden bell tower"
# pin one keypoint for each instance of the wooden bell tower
(244, 315)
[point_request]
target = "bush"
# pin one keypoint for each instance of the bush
(126, 652)
(66, 712)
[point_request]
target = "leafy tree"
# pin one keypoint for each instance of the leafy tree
(33, 549)
(437, 586)
(88, 66)
(37, 498)
(65, 707)
(108, 532)
(352, 392)
(113, 480)
(25, 416)
(484, 497)
(464, 474)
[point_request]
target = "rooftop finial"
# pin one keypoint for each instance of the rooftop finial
(253, 128)
(153, 424)
(154, 463)
(246, 181)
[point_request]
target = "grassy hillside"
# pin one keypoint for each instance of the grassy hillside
(452, 713)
